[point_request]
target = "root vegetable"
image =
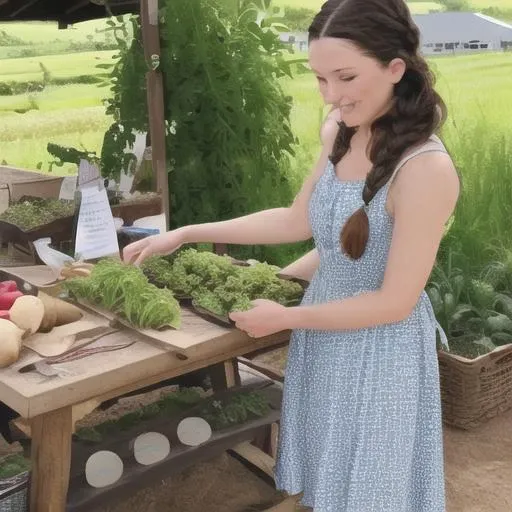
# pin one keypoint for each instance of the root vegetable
(7, 299)
(57, 312)
(8, 286)
(27, 313)
(11, 342)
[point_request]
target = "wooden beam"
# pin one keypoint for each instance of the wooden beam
(23, 7)
(256, 457)
(51, 461)
(155, 98)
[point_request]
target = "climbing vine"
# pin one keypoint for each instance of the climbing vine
(228, 120)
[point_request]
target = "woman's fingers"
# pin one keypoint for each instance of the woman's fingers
(131, 251)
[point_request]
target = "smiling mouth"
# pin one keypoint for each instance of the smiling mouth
(348, 107)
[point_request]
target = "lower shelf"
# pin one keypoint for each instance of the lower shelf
(82, 497)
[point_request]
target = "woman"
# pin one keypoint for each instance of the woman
(361, 417)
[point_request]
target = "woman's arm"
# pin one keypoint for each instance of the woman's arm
(423, 198)
(305, 267)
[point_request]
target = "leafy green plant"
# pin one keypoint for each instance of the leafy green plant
(220, 413)
(216, 284)
(29, 214)
(229, 137)
(13, 465)
(123, 289)
(475, 316)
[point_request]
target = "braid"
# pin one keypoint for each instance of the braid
(402, 127)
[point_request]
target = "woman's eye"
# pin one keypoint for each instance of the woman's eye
(320, 79)
(347, 78)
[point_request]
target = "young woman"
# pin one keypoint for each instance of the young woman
(361, 418)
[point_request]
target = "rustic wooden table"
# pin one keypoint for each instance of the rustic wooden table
(52, 405)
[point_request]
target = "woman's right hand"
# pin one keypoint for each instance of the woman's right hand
(156, 245)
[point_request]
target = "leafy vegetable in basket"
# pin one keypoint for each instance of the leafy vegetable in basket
(36, 212)
(124, 290)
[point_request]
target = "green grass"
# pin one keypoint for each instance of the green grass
(315, 5)
(499, 4)
(29, 68)
(41, 32)
(24, 137)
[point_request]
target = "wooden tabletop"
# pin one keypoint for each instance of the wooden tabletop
(144, 362)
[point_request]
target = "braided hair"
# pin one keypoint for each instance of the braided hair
(383, 30)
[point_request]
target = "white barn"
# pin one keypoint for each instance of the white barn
(458, 32)
(444, 32)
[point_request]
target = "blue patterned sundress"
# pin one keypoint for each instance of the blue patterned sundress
(361, 427)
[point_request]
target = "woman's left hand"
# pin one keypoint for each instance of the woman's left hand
(265, 318)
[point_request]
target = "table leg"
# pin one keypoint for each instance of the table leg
(224, 375)
(51, 460)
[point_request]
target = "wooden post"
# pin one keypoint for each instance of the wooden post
(155, 98)
(51, 460)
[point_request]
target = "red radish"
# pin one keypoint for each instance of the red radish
(8, 286)
(8, 299)
(5, 315)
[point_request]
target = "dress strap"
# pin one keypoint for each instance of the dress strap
(432, 144)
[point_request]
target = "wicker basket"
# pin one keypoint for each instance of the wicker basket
(14, 493)
(475, 390)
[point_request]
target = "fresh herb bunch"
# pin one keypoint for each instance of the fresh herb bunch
(124, 290)
(37, 212)
(191, 272)
(217, 285)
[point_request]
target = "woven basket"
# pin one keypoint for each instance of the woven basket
(475, 390)
(14, 493)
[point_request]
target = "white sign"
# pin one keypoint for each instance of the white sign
(68, 188)
(96, 234)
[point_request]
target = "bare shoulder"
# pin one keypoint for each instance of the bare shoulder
(428, 177)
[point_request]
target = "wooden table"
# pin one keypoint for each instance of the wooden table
(51, 404)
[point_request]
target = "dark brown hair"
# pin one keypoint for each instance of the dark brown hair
(383, 30)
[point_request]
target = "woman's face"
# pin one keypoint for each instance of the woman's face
(360, 86)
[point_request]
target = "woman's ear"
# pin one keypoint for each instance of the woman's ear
(396, 69)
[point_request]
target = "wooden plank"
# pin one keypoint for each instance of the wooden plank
(105, 377)
(155, 98)
(256, 457)
(51, 461)
(265, 369)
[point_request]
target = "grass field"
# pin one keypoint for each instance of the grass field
(473, 86)
(416, 7)
(37, 32)
(72, 115)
